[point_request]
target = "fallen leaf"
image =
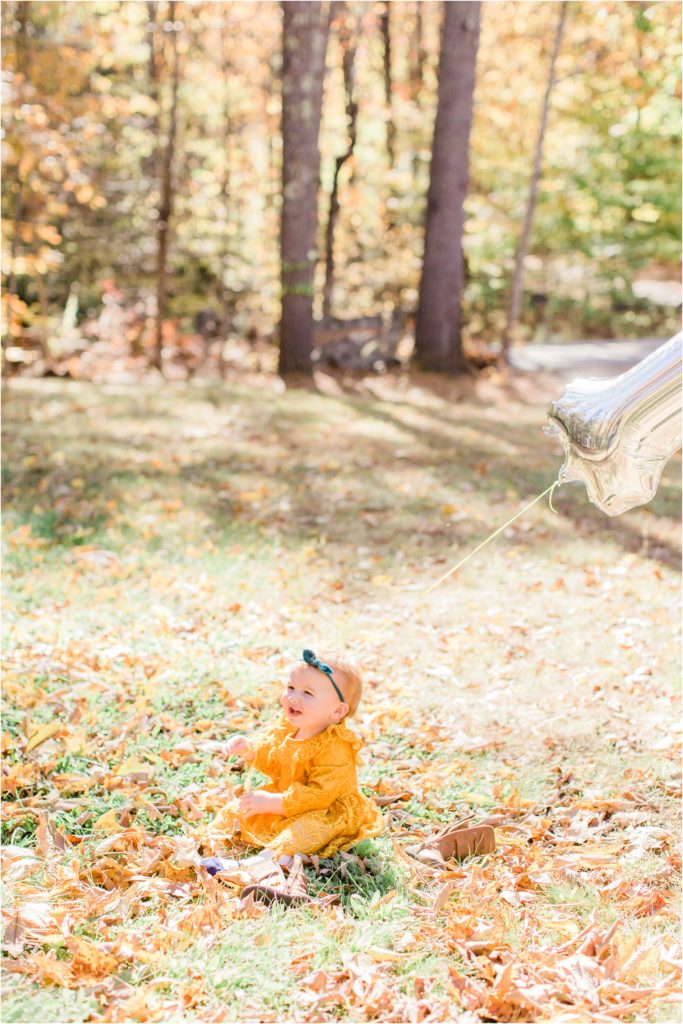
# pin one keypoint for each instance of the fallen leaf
(108, 822)
(43, 733)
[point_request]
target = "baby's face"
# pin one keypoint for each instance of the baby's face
(310, 701)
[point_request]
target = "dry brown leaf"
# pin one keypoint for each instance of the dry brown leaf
(43, 733)
(382, 955)
(444, 894)
(44, 967)
(17, 862)
(90, 963)
(19, 776)
(108, 822)
(38, 923)
(72, 782)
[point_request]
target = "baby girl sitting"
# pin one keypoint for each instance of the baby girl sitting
(313, 804)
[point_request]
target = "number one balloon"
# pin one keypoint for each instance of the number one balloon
(618, 434)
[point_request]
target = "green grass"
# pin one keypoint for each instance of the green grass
(168, 553)
(23, 1001)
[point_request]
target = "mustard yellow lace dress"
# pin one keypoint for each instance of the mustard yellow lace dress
(324, 808)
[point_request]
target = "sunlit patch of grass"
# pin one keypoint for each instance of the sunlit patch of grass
(531, 781)
(407, 744)
(580, 900)
(422, 966)
(20, 830)
(421, 811)
(471, 789)
(514, 929)
(636, 865)
(666, 1013)
(12, 719)
(24, 1001)
(69, 762)
(572, 905)
(164, 825)
(98, 804)
(249, 960)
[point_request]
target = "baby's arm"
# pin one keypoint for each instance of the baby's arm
(257, 748)
(260, 801)
(329, 775)
(258, 751)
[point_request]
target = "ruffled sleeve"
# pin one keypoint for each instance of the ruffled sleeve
(343, 732)
(264, 743)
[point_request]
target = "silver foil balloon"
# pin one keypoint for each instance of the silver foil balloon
(618, 434)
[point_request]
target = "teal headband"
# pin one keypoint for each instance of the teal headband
(310, 659)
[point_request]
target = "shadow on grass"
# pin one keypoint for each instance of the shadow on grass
(315, 478)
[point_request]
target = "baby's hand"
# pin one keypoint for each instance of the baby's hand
(259, 802)
(240, 746)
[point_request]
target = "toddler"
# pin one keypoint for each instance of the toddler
(313, 803)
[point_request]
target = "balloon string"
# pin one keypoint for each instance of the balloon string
(432, 586)
(550, 499)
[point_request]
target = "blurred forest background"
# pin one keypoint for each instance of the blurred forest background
(143, 164)
(182, 231)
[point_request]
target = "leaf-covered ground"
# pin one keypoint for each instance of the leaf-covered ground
(169, 550)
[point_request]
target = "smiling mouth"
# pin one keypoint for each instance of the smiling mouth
(293, 712)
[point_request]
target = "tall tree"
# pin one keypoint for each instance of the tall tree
(22, 63)
(515, 299)
(438, 340)
(226, 69)
(417, 55)
(305, 31)
(166, 199)
(347, 28)
(385, 25)
(152, 30)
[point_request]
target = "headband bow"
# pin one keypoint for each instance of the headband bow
(310, 659)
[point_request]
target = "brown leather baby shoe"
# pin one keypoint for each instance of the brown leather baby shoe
(276, 887)
(457, 841)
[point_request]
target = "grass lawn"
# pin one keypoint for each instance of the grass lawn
(169, 551)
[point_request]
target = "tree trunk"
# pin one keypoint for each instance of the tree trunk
(22, 65)
(229, 210)
(515, 301)
(226, 70)
(166, 203)
(417, 56)
(150, 162)
(305, 32)
(347, 28)
(438, 341)
(385, 25)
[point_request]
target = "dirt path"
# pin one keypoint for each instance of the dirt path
(584, 358)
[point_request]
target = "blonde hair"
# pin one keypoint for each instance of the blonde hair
(347, 676)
